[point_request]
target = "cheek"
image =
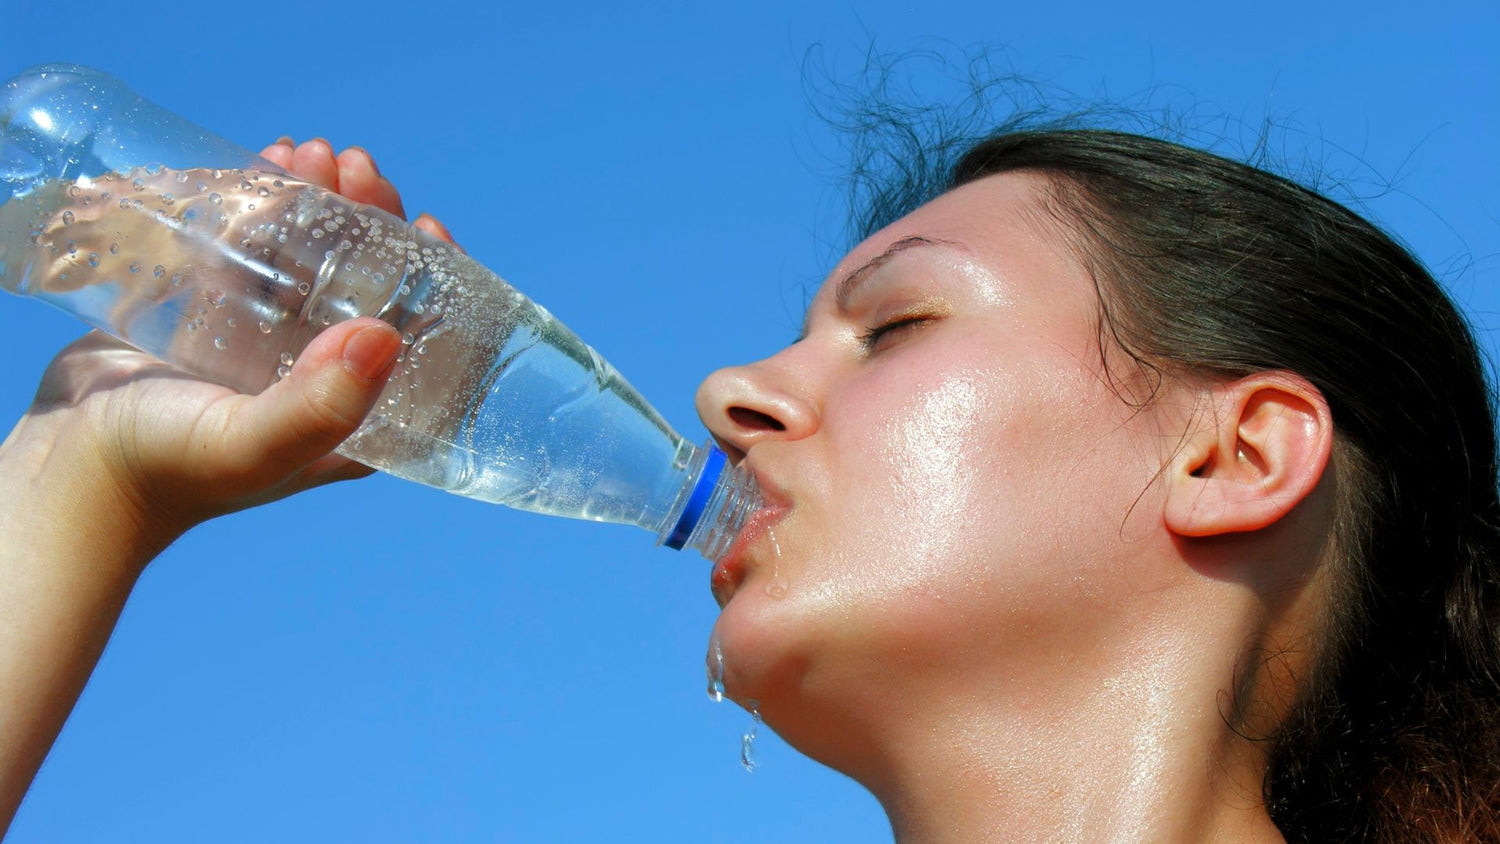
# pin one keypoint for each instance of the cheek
(926, 458)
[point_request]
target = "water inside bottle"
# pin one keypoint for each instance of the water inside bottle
(230, 273)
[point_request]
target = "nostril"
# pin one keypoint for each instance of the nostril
(754, 420)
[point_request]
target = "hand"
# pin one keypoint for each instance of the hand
(176, 451)
(120, 453)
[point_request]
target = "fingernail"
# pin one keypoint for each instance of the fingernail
(370, 352)
(369, 159)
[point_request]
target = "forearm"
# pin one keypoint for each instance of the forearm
(71, 550)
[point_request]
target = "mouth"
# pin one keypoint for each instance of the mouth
(732, 569)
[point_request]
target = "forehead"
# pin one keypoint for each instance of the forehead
(1002, 221)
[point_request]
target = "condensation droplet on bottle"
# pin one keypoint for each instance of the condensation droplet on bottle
(93, 259)
(67, 218)
(265, 327)
(216, 199)
(304, 288)
(114, 249)
(231, 322)
(220, 343)
(283, 371)
(168, 199)
(176, 279)
(139, 184)
(263, 191)
(134, 268)
(72, 248)
(215, 297)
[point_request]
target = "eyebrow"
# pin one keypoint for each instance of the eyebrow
(851, 282)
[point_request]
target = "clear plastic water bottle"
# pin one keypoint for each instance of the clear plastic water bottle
(211, 258)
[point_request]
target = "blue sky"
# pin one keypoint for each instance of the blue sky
(383, 662)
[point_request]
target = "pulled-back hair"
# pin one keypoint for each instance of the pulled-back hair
(1209, 266)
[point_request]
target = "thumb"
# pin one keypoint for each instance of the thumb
(321, 402)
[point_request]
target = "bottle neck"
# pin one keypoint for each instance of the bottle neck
(718, 500)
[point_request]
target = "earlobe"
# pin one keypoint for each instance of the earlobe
(1249, 462)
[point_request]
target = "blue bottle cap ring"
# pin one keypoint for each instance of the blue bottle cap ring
(707, 479)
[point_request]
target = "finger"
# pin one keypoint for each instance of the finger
(313, 160)
(430, 224)
(303, 417)
(360, 180)
(328, 469)
(280, 153)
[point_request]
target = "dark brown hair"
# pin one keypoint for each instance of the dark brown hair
(1210, 266)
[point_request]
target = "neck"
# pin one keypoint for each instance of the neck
(1140, 752)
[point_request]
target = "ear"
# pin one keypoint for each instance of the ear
(1246, 464)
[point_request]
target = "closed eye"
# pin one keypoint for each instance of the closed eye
(881, 336)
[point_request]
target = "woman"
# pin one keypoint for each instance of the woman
(1120, 491)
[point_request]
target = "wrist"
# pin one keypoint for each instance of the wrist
(70, 506)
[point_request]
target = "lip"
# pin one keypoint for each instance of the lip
(732, 569)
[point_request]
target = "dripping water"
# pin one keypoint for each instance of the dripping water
(716, 673)
(747, 741)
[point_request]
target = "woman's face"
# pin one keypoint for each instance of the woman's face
(955, 486)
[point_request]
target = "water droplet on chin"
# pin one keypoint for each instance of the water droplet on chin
(159, 271)
(114, 249)
(286, 358)
(134, 268)
(93, 259)
(777, 587)
(67, 218)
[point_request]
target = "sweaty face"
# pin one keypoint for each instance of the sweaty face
(955, 488)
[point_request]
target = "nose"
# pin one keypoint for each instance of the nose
(745, 405)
